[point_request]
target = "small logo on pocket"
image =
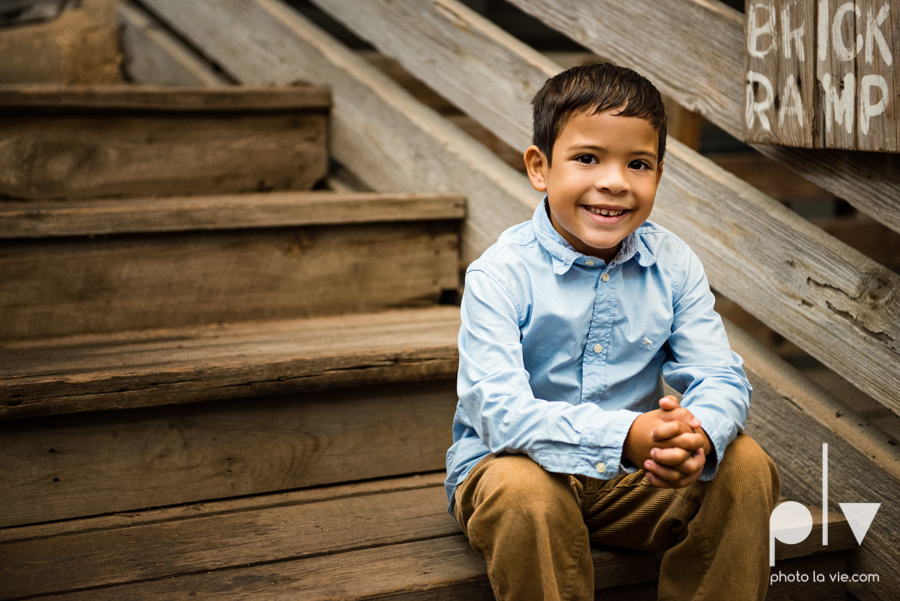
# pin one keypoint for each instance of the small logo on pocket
(648, 344)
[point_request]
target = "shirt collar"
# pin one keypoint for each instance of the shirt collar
(564, 255)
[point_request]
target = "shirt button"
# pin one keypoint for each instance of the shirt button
(598, 348)
(601, 467)
(605, 277)
(589, 263)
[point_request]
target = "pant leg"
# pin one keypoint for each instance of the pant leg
(527, 523)
(715, 533)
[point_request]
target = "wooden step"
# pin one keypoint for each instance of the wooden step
(385, 539)
(124, 140)
(288, 404)
(97, 266)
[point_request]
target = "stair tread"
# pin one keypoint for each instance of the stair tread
(188, 364)
(40, 219)
(48, 97)
(353, 541)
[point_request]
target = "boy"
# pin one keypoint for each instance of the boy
(568, 322)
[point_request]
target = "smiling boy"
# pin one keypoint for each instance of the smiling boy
(562, 435)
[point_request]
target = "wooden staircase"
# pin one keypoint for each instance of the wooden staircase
(232, 395)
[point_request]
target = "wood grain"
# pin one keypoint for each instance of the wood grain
(151, 55)
(713, 64)
(831, 300)
(103, 154)
(74, 466)
(183, 365)
(115, 521)
(42, 219)
(791, 417)
(200, 544)
(63, 286)
(440, 568)
(36, 99)
(265, 41)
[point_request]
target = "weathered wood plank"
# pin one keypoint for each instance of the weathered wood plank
(151, 55)
(35, 219)
(84, 156)
(791, 417)
(713, 65)
(200, 544)
(115, 521)
(840, 306)
(80, 46)
(64, 286)
(441, 568)
(44, 99)
(73, 466)
(174, 366)
(267, 42)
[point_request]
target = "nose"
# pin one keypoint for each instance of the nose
(612, 179)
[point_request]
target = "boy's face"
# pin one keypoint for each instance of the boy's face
(602, 163)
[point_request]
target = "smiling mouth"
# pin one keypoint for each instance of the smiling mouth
(604, 212)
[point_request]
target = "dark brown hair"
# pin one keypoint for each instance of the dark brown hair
(595, 88)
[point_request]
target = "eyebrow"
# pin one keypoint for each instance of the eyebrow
(637, 153)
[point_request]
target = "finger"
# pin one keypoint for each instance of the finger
(693, 464)
(656, 481)
(686, 481)
(670, 430)
(663, 472)
(689, 441)
(669, 402)
(680, 414)
(672, 456)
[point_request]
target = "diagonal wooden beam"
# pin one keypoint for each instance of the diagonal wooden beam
(695, 54)
(382, 134)
(828, 298)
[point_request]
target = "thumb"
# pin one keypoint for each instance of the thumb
(669, 403)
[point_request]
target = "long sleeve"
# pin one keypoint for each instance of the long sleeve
(701, 365)
(498, 401)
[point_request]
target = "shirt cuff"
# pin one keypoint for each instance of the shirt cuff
(721, 431)
(608, 438)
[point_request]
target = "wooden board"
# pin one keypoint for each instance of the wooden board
(151, 55)
(417, 150)
(791, 417)
(228, 535)
(174, 366)
(842, 98)
(253, 535)
(713, 66)
(34, 219)
(17, 534)
(73, 466)
(62, 286)
(104, 155)
(144, 101)
(804, 284)
(770, 177)
(81, 46)
(780, 74)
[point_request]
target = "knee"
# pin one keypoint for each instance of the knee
(519, 491)
(750, 471)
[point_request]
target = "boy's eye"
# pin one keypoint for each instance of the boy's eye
(638, 165)
(585, 159)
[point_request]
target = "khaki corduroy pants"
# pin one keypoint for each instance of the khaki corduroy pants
(535, 528)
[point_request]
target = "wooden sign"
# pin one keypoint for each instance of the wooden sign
(821, 73)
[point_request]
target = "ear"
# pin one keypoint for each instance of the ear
(659, 171)
(536, 165)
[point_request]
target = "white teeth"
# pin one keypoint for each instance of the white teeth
(604, 212)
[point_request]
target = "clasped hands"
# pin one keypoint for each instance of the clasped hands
(669, 444)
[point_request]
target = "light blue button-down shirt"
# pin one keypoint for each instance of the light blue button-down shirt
(559, 352)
